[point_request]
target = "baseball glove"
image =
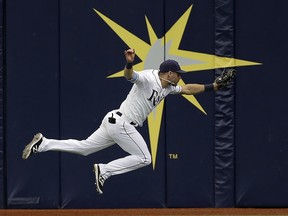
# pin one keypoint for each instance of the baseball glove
(225, 78)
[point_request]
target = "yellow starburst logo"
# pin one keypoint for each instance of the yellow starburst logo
(152, 54)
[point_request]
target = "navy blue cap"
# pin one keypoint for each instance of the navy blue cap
(170, 65)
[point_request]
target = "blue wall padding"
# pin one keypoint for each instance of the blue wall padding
(32, 44)
(224, 109)
(2, 108)
(57, 57)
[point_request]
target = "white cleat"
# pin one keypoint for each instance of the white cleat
(99, 180)
(33, 146)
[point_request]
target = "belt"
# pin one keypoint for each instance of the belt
(120, 114)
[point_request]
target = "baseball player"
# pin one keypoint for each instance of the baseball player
(119, 126)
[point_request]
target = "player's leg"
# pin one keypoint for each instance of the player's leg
(96, 142)
(131, 141)
(100, 141)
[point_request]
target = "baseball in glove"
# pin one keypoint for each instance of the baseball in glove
(225, 78)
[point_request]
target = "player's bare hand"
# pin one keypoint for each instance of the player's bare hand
(129, 55)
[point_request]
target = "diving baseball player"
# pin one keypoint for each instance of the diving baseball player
(119, 126)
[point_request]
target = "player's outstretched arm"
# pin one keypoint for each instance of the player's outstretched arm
(221, 82)
(128, 70)
(193, 89)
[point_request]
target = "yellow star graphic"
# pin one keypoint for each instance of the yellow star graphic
(153, 54)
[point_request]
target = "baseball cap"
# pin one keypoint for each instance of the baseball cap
(170, 65)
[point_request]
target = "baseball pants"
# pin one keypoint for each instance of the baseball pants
(120, 132)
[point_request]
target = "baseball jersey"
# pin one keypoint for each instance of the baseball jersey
(145, 94)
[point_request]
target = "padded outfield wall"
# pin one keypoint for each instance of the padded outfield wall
(61, 73)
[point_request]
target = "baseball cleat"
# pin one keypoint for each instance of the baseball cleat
(33, 146)
(99, 180)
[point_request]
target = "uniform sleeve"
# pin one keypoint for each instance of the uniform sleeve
(139, 79)
(175, 89)
(135, 77)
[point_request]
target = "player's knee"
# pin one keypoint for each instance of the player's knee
(147, 160)
(144, 160)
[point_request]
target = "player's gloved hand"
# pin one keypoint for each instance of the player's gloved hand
(225, 78)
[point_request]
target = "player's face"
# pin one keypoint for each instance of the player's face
(176, 77)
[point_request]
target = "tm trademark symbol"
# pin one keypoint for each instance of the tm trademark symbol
(173, 156)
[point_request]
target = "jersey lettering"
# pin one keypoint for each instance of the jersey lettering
(155, 98)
